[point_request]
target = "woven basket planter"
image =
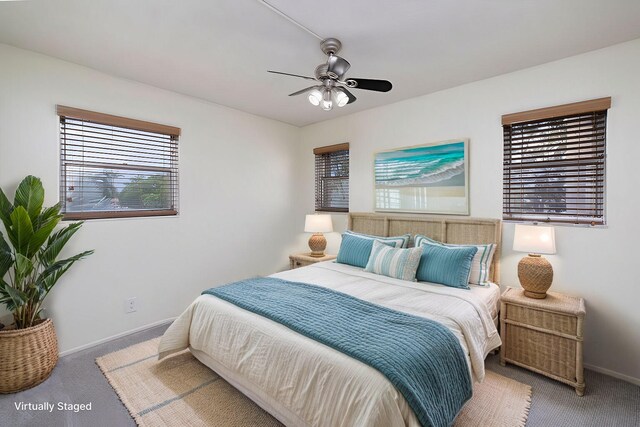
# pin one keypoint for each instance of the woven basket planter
(27, 356)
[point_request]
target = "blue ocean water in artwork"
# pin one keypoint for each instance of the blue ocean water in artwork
(437, 165)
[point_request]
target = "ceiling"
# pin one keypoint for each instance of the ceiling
(220, 50)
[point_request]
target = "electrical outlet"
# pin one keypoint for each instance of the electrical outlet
(130, 305)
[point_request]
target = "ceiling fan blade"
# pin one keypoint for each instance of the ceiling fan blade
(303, 90)
(292, 75)
(350, 95)
(337, 65)
(370, 84)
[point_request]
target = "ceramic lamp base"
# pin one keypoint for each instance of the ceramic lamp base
(536, 275)
(317, 244)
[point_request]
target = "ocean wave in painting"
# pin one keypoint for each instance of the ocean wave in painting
(436, 165)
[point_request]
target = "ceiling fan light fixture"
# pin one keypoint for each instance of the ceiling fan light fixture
(315, 97)
(331, 87)
(341, 98)
(327, 102)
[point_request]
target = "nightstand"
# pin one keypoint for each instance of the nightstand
(544, 335)
(301, 260)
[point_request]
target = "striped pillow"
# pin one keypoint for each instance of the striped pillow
(445, 265)
(355, 248)
(397, 263)
(481, 264)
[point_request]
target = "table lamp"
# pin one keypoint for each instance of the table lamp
(318, 224)
(534, 271)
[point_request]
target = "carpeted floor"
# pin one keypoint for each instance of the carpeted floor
(608, 402)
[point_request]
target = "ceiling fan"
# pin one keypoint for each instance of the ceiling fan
(331, 86)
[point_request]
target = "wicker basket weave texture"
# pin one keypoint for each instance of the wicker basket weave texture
(555, 302)
(543, 319)
(548, 353)
(27, 356)
(536, 275)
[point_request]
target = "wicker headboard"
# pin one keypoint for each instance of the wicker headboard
(445, 229)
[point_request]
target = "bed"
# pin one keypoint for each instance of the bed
(303, 382)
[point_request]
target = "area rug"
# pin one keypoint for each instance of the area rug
(181, 391)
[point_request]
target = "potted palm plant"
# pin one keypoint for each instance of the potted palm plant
(29, 268)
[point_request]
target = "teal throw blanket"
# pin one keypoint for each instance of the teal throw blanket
(420, 357)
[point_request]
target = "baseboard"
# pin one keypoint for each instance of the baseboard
(614, 374)
(113, 337)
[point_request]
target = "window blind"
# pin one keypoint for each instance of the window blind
(116, 167)
(332, 178)
(554, 167)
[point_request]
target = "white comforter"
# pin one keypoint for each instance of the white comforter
(305, 383)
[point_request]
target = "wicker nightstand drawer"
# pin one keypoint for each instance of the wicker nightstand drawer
(531, 348)
(302, 260)
(544, 335)
(299, 263)
(542, 319)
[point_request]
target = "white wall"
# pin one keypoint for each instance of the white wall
(237, 175)
(597, 264)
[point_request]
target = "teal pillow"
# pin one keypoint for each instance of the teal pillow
(481, 264)
(448, 266)
(355, 248)
(392, 262)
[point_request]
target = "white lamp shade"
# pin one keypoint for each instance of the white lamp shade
(534, 239)
(341, 98)
(318, 224)
(315, 97)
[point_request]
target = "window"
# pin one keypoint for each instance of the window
(554, 164)
(113, 167)
(332, 178)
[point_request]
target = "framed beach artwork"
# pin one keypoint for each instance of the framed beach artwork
(431, 178)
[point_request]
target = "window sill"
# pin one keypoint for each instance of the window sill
(81, 216)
